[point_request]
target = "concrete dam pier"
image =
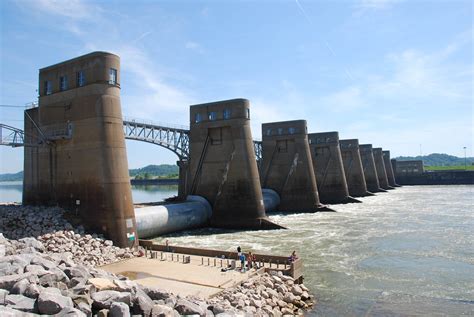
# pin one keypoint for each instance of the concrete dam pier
(329, 169)
(286, 166)
(80, 162)
(76, 159)
(389, 169)
(223, 165)
(380, 166)
(353, 168)
(370, 171)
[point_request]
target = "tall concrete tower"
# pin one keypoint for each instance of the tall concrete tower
(223, 166)
(82, 163)
(380, 166)
(328, 167)
(353, 168)
(370, 171)
(286, 166)
(389, 169)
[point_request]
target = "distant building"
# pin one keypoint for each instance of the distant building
(405, 168)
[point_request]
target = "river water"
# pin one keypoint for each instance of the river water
(406, 252)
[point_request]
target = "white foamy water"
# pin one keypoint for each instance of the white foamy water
(408, 251)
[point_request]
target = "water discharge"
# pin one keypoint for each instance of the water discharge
(407, 251)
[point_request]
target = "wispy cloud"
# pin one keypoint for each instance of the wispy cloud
(365, 6)
(346, 99)
(375, 4)
(414, 77)
(194, 46)
(154, 95)
(142, 36)
(74, 9)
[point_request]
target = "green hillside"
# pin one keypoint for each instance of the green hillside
(150, 171)
(437, 159)
(153, 171)
(11, 177)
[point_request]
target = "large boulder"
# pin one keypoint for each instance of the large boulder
(70, 312)
(7, 268)
(3, 294)
(156, 293)
(50, 301)
(53, 277)
(104, 299)
(36, 269)
(20, 302)
(78, 271)
(32, 243)
(7, 282)
(142, 303)
(185, 307)
(85, 308)
(296, 290)
(119, 310)
(162, 311)
(101, 284)
(10, 312)
(32, 291)
(45, 263)
(125, 286)
(20, 287)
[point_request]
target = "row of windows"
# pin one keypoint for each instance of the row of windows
(281, 131)
(212, 116)
(80, 81)
(322, 140)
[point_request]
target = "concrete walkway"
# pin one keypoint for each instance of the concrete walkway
(198, 278)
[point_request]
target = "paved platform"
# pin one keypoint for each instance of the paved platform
(198, 278)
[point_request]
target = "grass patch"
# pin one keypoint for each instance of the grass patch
(450, 168)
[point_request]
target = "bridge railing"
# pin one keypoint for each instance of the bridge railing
(174, 139)
(11, 136)
(156, 123)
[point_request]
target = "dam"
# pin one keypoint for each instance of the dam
(226, 178)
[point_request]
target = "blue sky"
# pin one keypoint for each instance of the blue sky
(397, 74)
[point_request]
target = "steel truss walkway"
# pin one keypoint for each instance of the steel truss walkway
(173, 138)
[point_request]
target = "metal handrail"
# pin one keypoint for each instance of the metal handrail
(154, 123)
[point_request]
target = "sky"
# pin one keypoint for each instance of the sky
(396, 74)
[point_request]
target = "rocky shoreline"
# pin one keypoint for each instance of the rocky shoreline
(48, 267)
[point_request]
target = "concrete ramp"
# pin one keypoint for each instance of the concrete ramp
(286, 166)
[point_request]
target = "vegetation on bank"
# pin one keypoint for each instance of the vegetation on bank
(439, 160)
(155, 171)
(450, 168)
(11, 177)
(432, 162)
(150, 176)
(147, 172)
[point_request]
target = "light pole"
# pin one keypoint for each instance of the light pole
(465, 158)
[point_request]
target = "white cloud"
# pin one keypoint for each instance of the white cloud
(376, 4)
(363, 6)
(349, 98)
(154, 95)
(74, 9)
(414, 77)
(190, 45)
